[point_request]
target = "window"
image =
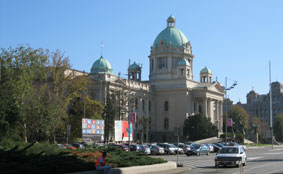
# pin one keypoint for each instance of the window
(149, 106)
(152, 64)
(143, 105)
(182, 72)
(166, 123)
(136, 103)
(188, 72)
(166, 106)
(162, 62)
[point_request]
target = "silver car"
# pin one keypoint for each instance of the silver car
(231, 155)
(156, 150)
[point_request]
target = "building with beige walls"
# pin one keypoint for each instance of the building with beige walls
(169, 96)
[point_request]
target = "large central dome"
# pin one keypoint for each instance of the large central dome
(171, 35)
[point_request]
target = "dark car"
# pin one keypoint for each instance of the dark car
(123, 146)
(135, 147)
(216, 147)
(198, 149)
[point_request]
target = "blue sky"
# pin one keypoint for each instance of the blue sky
(235, 39)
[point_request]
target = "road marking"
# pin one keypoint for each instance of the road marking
(275, 149)
(275, 171)
(253, 168)
(253, 158)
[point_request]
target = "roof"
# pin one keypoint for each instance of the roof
(183, 62)
(101, 66)
(171, 35)
(134, 66)
(205, 71)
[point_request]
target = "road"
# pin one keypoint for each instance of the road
(263, 160)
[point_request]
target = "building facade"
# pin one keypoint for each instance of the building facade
(259, 105)
(169, 96)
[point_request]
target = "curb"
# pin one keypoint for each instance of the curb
(145, 169)
(136, 169)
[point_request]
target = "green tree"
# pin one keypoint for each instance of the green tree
(240, 118)
(109, 116)
(198, 127)
(36, 89)
(144, 123)
(92, 108)
(278, 127)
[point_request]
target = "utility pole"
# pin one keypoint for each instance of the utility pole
(226, 110)
(129, 102)
(270, 98)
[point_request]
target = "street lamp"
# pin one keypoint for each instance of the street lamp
(226, 110)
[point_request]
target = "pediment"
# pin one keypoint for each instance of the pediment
(216, 88)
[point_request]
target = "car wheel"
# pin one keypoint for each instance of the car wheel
(207, 153)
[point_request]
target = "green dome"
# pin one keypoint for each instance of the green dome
(101, 66)
(172, 35)
(183, 62)
(134, 66)
(205, 71)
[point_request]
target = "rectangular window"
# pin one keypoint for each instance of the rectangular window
(152, 64)
(162, 63)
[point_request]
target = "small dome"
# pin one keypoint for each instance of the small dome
(134, 66)
(205, 71)
(171, 19)
(101, 66)
(183, 62)
(171, 36)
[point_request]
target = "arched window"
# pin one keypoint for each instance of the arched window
(166, 123)
(166, 106)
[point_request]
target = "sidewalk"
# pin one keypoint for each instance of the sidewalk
(172, 171)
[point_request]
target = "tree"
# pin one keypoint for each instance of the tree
(109, 116)
(199, 127)
(93, 110)
(144, 122)
(240, 118)
(278, 127)
(35, 92)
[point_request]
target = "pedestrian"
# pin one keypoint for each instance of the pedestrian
(101, 164)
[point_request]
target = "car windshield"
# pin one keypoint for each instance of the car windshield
(229, 150)
(171, 146)
(196, 146)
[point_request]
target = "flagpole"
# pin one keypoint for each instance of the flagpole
(270, 98)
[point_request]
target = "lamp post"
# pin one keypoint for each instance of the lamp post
(226, 109)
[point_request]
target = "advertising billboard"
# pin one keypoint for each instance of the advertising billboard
(121, 131)
(92, 130)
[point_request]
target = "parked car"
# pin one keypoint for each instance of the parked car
(211, 148)
(198, 149)
(216, 147)
(178, 149)
(169, 148)
(78, 145)
(69, 146)
(123, 146)
(231, 155)
(156, 150)
(135, 147)
(61, 146)
(145, 149)
(184, 147)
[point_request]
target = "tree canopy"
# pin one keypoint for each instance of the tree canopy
(240, 118)
(35, 93)
(278, 127)
(198, 127)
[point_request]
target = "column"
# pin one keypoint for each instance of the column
(221, 116)
(205, 106)
(216, 117)
(209, 108)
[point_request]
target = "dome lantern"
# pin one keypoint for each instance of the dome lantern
(171, 21)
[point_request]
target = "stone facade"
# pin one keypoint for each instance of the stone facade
(259, 105)
(170, 96)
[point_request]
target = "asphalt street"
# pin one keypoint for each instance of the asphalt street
(261, 160)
